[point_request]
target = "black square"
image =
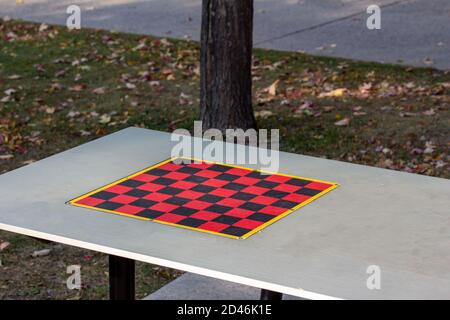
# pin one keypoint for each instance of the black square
(210, 198)
(218, 208)
(298, 182)
(234, 186)
(235, 231)
(191, 222)
(184, 211)
(151, 214)
(203, 189)
(219, 168)
(243, 196)
(177, 201)
(137, 193)
(285, 204)
(227, 177)
(276, 194)
(308, 192)
(251, 206)
(196, 179)
(144, 203)
(226, 219)
(170, 190)
(164, 181)
(266, 184)
(132, 183)
(109, 205)
(158, 172)
(104, 195)
(189, 170)
(256, 175)
(260, 217)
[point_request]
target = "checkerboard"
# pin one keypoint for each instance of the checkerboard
(226, 200)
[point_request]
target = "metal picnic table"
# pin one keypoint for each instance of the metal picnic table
(396, 221)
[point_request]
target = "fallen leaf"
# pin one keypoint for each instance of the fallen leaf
(272, 89)
(263, 114)
(130, 86)
(41, 253)
(6, 156)
(77, 88)
(100, 90)
(105, 118)
(334, 93)
(343, 122)
(43, 27)
(4, 245)
(14, 77)
(10, 91)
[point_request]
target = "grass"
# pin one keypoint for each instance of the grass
(61, 88)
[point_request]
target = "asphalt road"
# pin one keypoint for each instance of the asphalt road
(413, 32)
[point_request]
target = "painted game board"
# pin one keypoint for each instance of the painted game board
(226, 200)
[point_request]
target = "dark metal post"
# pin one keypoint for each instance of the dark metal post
(270, 295)
(121, 278)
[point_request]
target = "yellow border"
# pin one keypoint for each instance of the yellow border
(245, 236)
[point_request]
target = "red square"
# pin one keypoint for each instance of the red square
(275, 211)
(318, 186)
(223, 192)
(145, 177)
(130, 209)
(264, 200)
(124, 199)
(277, 178)
(118, 189)
(247, 181)
(159, 197)
(255, 190)
(296, 197)
(189, 194)
(248, 224)
(213, 226)
(205, 215)
(208, 173)
(286, 188)
(200, 165)
(230, 202)
(185, 185)
(163, 207)
(215, 183)
(239, 213)
(170, 166)
(170, 217)
(153, 187)
(92, 202)
(196, 204)
(238, 171)
(176, 175)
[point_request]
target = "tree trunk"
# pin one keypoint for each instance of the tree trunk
(226, 61)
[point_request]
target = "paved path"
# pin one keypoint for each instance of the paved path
(194, 287)
(413, 32)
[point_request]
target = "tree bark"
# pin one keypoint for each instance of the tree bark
(226, 62)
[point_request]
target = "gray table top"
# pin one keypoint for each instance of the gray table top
(397, 221)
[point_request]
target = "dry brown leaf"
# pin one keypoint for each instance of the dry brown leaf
(342, 123)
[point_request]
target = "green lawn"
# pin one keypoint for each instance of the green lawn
(59, 89)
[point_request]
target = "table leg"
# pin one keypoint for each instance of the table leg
(270, 295)
(121, 278)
